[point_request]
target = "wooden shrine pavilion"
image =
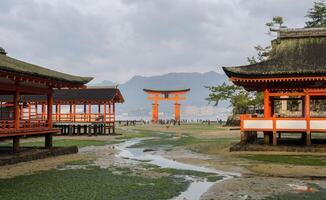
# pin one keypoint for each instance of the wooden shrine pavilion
(18, 78)
(76, 111)
(293, 80)
(166, 95)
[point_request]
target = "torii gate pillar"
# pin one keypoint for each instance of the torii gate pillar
(177, 111)
(166, 95)
(155, 112)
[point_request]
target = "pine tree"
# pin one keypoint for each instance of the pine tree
(317, 15)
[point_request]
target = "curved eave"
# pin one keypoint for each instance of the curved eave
(166, 91)
(21, 68)
(233, 72)
(118, 97)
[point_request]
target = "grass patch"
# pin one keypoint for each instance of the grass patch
(211, 177)
(201, 127)
(289, 159)
(93, 183)
(213, 146)
(201, 145)
(79, 162)
(144, 134)
(66, 142)
(184, 140)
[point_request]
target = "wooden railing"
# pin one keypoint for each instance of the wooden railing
(23, 124)
(279, 124)
(83, 117)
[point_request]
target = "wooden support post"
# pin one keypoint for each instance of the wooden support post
(85, 111)
(70, 112)
(21, 112)
(43, 111)
(56, 112)
(16, 107)
(113, 122)
(15, 144)
(307, 116)
(267, 109)
(266, 138)
(274, 138)
(99, 110)
(48, 141)
(74, 111)
(59, 114)
(89, 112)
(104, 113)
(308, 138)
(29, 112)
(243, 138)
(36, 110)
(50, 109)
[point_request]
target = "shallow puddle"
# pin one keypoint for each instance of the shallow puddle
(197, 186)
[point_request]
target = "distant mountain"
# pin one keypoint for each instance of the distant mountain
(195, 106)
(106, 83)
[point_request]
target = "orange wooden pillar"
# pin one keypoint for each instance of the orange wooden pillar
(16, 111)
(267, 108)
(104, 112)
(307, 116)
(50, 110)
(74, 111)
(29, 114)
(177, 111)
(267, 114)
(113, 118)
(43, 111)
(89, 112)
(155, 112)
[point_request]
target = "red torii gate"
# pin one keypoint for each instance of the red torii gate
(166, 95)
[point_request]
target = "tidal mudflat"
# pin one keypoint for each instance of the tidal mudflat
(156, 162)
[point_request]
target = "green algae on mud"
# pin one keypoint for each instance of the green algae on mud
(66, 143)
(69, 142)
(91, 183)
(308, 160)
(211, 177)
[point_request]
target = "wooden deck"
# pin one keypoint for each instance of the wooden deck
(27, 132)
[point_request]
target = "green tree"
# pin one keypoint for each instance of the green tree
(239, 98)
(317, 15)
(276, 23)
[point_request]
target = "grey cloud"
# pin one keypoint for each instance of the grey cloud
(117, 39)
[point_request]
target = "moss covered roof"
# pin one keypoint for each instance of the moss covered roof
(9, 64)
(296, 52)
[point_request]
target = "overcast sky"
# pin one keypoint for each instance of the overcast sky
(117, 39)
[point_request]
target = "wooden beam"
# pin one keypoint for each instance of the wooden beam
(50, 109)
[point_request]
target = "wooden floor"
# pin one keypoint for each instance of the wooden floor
(28, 132)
